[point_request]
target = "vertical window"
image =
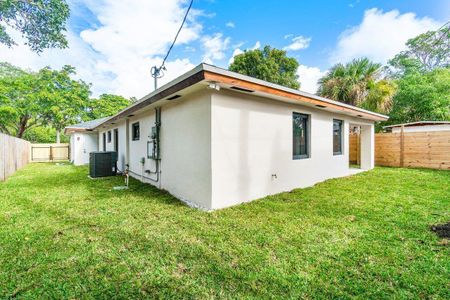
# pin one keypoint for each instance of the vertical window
(337, 136)
(135, 131)
(300, 130)
(109, 136)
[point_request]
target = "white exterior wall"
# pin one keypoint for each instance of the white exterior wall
(121, 159)
(221, 148)
(422, 128)
(81, 144)
(185, 148)
(252, 140)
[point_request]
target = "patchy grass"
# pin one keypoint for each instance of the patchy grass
(63, 235)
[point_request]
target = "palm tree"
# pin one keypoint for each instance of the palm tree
(357, 83)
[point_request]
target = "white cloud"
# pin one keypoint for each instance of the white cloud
(230, 24)
(214, 47)
(257, 45)
(238, 50)
(298, 43)
(380, 36)
(308, 77)
(116, 55)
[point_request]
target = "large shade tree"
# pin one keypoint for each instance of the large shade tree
(268, 64)
(48, 97)
(358, 83)
(106, 105)
(35, 104)
(63, 100)
(422, 96)
(422, 73)
(42, 23)
(424, 53)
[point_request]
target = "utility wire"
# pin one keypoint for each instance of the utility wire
(157, 71)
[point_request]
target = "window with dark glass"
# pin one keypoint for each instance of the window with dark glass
(109, 136)
(135, 131)
(300, 130)
(337, 137)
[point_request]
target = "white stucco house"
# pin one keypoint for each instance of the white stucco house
(83, 140)
(420, 126)
(214, 138)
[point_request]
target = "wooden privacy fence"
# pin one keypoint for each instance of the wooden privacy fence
(429, 149)
(14, 154)
(49, 152)
(354, 148)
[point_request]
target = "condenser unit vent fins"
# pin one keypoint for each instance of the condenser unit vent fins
(102, 164)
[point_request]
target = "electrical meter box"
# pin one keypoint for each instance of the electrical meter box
(153, 144)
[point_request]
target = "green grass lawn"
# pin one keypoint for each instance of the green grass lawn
(63, 235)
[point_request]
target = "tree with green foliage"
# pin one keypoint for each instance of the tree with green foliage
(19, 108)
(269, 64)
(358, 83)
(62, 99)
(424, 53)
(422, 73)
(41, 22)
(50, 97)
(422, 96)
(106, 105)
(43, 134)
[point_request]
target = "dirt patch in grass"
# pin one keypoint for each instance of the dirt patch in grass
(442, 230)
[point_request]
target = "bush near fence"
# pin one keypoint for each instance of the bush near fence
(14, 154)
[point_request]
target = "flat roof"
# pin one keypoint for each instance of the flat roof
(208, 73)
(419, 123)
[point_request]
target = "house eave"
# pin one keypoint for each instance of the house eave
(207, 73)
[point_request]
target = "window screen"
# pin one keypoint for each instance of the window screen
(136, 131)
(109, 136)
(300, 130)
(337, 137)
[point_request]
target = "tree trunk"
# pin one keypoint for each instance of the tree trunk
(22, 126)
(58, 138)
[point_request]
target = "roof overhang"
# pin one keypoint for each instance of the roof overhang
(205, 74)
(419, 123)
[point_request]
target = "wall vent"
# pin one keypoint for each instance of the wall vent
(241, 89)
(173, 97)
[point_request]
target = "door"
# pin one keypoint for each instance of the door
(116, 140)
(104, 141)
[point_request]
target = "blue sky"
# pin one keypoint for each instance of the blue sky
(113, 44)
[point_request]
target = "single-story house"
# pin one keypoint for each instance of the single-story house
(83, 140)
(420, 126)
(214, 138)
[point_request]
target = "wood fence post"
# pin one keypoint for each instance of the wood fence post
(402, 147)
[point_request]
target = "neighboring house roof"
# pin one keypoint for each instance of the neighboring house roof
(420, 123)
(205, 74)
(84, 126)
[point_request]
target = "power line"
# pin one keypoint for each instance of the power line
(157, 72)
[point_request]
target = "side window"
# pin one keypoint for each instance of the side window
(337, 136)
(109, 136)
(135, 131)
(300, 136)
